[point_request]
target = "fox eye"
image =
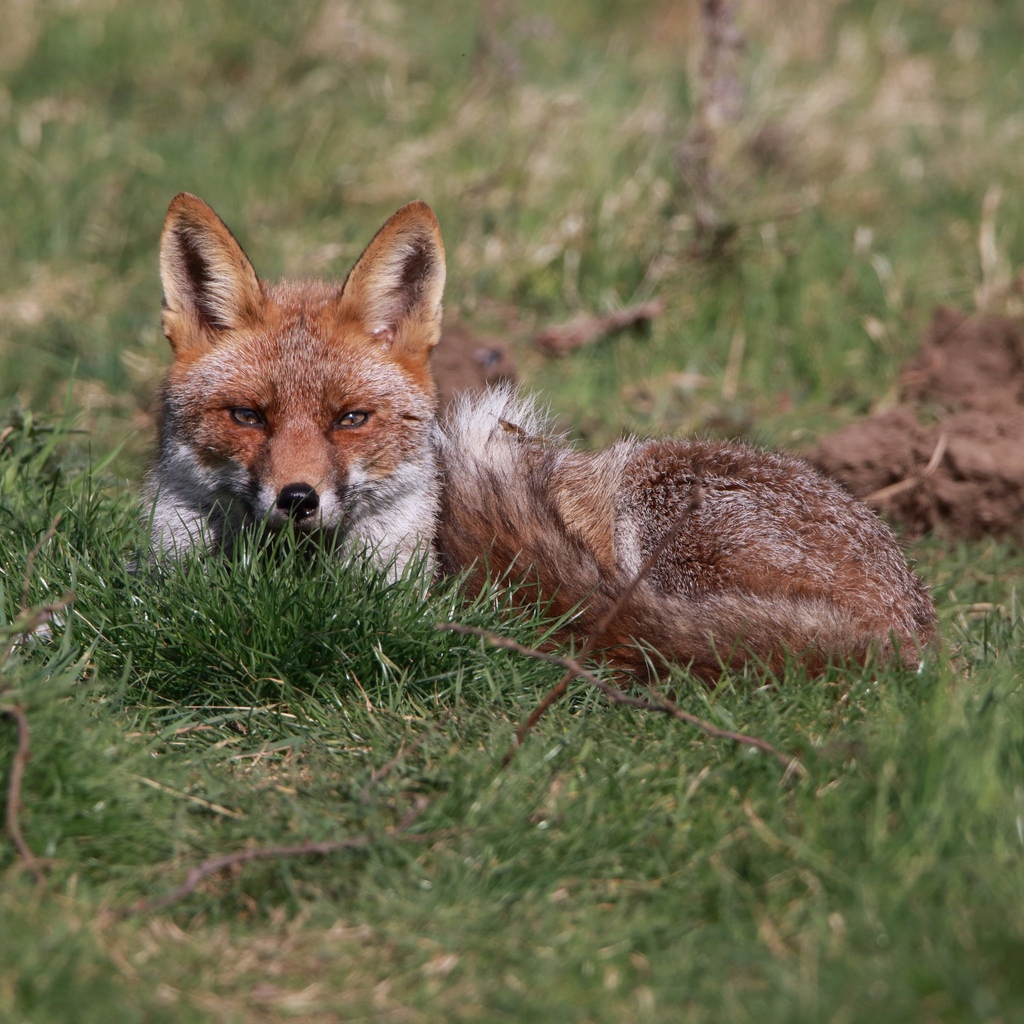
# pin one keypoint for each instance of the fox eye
(247, 417)
(348, 420)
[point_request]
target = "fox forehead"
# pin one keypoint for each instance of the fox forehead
(299, 357)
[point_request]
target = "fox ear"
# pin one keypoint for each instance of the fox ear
(209, 284)
(395, 288)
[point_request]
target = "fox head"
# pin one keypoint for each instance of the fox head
(310, 401)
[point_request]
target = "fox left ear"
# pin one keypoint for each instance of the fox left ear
(395, 288)
(209, 284)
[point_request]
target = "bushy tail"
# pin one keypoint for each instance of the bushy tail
(517, 501)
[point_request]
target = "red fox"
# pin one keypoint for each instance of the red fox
(312, 403)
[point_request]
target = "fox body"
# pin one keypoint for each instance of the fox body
(314, 404)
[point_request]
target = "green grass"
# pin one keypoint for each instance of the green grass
(623, 867)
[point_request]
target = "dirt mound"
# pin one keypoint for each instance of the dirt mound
(952, 458)
(466, 361)
(967, 362)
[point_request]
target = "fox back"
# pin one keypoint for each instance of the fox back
(313, 404)
(723, 553)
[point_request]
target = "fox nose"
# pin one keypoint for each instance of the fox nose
(299, 501)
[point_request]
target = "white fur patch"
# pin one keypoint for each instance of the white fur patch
(183, 492)
(480, 426)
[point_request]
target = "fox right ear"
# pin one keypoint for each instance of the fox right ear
(208, 282)
(395, 288)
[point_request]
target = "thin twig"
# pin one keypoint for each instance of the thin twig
(555, 693)
(587, 329)
(26, 623)
(31, 560)
(14, 805)
(239, 857)
(915, 480)
(696, 499)
(558, 690)
(385, 769)
(720, 101)
(227, 812)
(228, 860)
(660, 704)
(733, 365)
(29, 621)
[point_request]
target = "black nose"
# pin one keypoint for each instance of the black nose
(300, 501)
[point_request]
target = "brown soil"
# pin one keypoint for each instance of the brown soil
(465, 361)
(952, 458)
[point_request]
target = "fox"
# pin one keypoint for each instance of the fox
(312, 404)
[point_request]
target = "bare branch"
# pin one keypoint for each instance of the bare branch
(659, 703)
(226, 812)
(14, 804)
(883, 494)
(31, 560)
(240, 857)
(558, 691)
(720, 101)
(586, 329)
(385, 769)
(30, 621)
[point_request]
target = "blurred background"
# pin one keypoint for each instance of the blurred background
(797, 184)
